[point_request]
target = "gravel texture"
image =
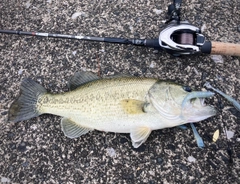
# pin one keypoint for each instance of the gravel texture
(36, 151)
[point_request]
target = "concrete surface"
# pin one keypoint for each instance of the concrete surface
(36, 151)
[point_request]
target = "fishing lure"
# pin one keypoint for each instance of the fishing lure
(235, 103)
(198, 138)
(187, 99)
(197, 94)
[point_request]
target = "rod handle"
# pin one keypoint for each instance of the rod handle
(225, 48)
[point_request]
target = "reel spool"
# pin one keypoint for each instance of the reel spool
(186, 39)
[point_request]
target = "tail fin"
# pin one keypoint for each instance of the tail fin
(24, 107)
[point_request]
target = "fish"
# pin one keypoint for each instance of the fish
(120, 104)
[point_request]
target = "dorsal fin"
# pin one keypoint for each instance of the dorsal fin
(80, 78)
(118, 75)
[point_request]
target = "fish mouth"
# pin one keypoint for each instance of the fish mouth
(195, 109)
(196, 95)
(202, 102)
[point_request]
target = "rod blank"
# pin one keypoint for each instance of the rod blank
(86, 38)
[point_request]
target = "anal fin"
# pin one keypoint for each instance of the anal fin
(139, 136)
(72, 129)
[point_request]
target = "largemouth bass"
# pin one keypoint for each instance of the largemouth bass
(121, 104)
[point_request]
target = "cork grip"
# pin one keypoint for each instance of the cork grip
(225, 48)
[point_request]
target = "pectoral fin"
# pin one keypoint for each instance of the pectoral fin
(139, 136)
(132, 106)
(72, 129)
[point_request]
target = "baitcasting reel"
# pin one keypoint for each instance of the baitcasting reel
(180, 37)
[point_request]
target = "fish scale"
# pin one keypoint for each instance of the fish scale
(102, 95)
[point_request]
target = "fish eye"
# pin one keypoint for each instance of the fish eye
(187, 88)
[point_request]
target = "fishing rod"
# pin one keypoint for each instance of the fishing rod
(178, 38)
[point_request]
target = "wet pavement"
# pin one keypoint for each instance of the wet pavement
(36, 150)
